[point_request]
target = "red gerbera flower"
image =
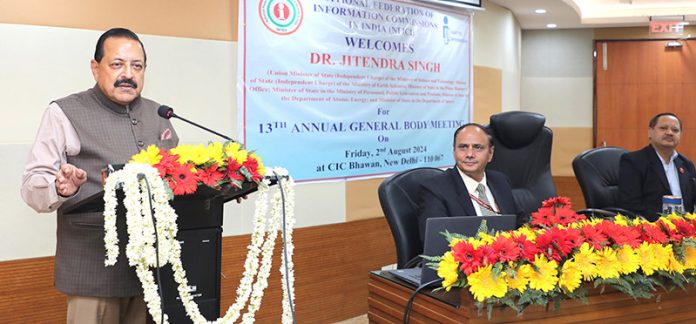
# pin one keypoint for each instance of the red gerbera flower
(574, 238)
(594, 237)
(210, 176)
(167, 164)
(252, 165)
(555, 244)
(506, 249)
(546, 247)
(465, 253)
(184, 180)
(527, 248)
(558, 202)
(233, 165)
(565, 215)
(544, 217)
(684, 227)
(236, 178)
(620, 235)
(652, 233)
(487, 255)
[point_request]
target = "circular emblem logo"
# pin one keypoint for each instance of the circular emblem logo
(282, 17)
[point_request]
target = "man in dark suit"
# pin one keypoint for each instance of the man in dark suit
(657, 170)
(468, 189)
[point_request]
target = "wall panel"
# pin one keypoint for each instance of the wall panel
(331, 267)
(207, 19)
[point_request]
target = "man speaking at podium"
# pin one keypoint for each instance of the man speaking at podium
(78, 136)
(468, 189)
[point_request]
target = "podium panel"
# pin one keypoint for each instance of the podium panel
(200, 255)
(388, 295)
(199, 222)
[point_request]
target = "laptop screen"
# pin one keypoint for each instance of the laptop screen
(436, 244)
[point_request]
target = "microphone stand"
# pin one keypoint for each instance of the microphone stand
(200, 126)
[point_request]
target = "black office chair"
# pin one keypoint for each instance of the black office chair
(398, 196)
(523, 153)
(597, 172)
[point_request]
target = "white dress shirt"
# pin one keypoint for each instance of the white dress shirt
(672, 174)
(471, 186)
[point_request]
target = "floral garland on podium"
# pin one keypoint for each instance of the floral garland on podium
(561, 252)
(178, 172)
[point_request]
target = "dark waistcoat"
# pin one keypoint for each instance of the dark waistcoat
(109, 134)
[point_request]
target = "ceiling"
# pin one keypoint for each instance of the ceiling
(596, 13)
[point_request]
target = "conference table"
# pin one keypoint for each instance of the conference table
(387, 297)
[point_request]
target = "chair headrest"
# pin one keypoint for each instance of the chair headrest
(515, 129)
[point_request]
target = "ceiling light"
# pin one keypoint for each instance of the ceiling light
(551, 25)
(540, 11)
(668, 18)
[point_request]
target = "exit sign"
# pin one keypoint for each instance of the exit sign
(667, 27)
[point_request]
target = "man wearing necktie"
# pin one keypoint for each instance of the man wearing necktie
(468, 189)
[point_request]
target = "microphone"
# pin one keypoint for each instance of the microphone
(167, 112)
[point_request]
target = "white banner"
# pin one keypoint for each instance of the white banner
(350, 88)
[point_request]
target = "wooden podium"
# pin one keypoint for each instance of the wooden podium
(199, 225)
(388, 295)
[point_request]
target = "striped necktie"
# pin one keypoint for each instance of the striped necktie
(481, 193)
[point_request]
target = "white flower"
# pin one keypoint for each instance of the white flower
(140, 249)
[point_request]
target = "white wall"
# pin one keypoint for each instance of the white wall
(557, 75)
(196, 77)
(497, 39)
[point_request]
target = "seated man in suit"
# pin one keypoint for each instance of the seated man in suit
(657, 170)
(468, 189)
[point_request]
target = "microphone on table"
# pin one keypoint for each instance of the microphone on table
(167, 112)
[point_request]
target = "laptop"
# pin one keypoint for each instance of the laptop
(436, 244)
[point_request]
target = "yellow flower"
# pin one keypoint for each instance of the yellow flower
(215, 153)
(628, 259)
(454, 242)
(673, 265)
(668, 220)
(150, 156)
(483, 284)
(661, 255)
(485, 238)
(447, 270)
(608, 265)
(475, 242)
(621, 220)
(648, 262)
(232, 148)
(570, 277)
(528, 233)
(240, 156)
(690, 258)
(191, 154)
(690, 216)
(520, 278)
(546, 275)
(586, 259)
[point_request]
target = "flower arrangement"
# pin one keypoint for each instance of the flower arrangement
(180, 171)
(185, 167)
(560, 252)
